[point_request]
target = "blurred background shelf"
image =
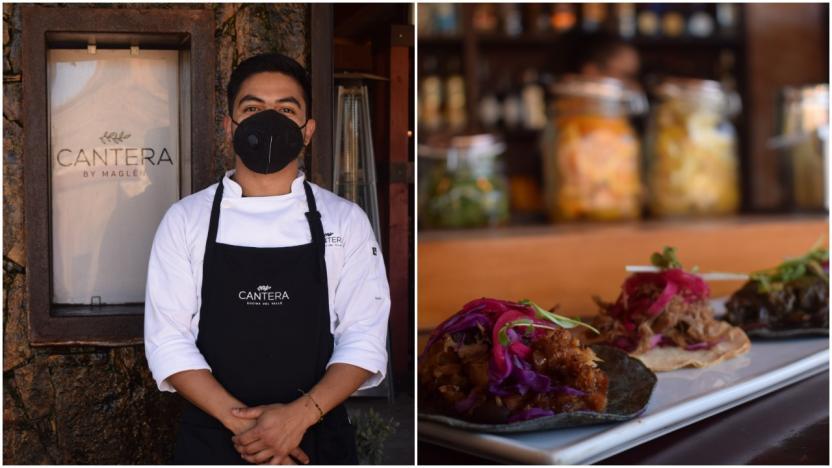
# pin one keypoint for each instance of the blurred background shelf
(757, 51)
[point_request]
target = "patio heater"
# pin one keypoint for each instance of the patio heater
(354, 169)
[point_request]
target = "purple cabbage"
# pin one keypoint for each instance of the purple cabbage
(520, 381)
(465, 405)
(458, 323)
(526, 378)
(655, 340)
(700, 345)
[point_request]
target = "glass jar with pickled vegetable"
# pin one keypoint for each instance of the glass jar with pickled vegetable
(692, 163)
(591, 152)
(465, 186)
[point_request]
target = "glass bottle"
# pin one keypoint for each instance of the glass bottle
(593, 16)
(456, 113)
(701, 24)
(430, 95)
(626, 19)
(563, 17)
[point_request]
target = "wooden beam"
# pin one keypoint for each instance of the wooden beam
(319, 167)
(398, 240)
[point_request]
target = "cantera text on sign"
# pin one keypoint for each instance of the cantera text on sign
(113, 157)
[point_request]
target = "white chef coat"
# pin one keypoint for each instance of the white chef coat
(359, 296)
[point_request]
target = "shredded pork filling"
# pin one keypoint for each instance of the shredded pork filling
(682, 323)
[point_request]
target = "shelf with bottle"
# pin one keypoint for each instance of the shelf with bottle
(507, 76)
(439, 20)
(649, 24)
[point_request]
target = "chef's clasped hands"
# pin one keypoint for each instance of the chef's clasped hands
(275, 436)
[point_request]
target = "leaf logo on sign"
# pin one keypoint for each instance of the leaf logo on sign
(113, 137)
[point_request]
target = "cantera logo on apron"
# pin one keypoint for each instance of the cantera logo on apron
(263, 296)
(333, 240)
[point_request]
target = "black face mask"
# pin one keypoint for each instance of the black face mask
(268, 141)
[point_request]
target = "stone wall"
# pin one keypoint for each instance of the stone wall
(80, 405)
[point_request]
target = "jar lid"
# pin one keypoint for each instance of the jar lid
(601, 88)
(816, 94)
(803, 113)
(705, 92)
(484, 145)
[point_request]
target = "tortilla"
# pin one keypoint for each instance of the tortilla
(667, 358)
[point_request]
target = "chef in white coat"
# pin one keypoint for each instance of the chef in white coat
(267, 299)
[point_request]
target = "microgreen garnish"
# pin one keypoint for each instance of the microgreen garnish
(565, 322)
(502, 335)
(665, 260)
(773, 279)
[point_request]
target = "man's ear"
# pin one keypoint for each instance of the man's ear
(308, 131)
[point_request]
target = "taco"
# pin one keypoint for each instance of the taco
(664, 319)
(791, 299)
(502, 363)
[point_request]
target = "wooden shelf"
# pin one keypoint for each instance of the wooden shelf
(510, 135)
(551, 39)
(686, 42)
(568, 264)
(440, 41)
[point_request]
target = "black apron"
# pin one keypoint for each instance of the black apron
(264, 330)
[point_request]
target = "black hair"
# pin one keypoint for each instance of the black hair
(272, 62)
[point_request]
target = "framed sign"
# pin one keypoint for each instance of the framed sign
(114, 173)
(119, 125)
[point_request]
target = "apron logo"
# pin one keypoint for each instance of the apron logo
(263, 296)
(331, 240)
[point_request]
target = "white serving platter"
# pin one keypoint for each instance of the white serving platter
(680, 398)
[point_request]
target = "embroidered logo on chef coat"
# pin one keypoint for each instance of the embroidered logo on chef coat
(263, 296)
(333, 240)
